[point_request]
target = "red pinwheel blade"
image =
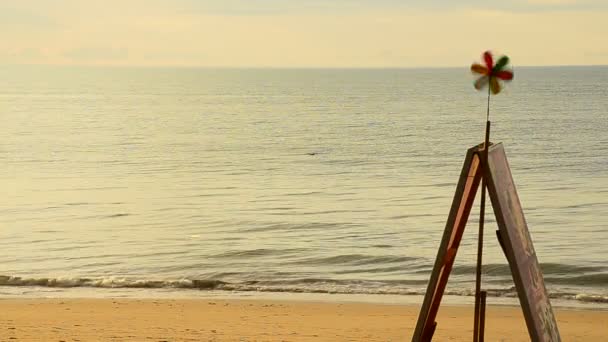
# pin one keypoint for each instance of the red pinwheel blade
(487, 57)
(505, 75)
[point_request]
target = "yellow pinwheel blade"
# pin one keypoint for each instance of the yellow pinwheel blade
(479, 69)
(494, 85)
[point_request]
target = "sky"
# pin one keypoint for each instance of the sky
(301, 33)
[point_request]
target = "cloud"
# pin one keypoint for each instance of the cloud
(333, 7)
(562, 5)
(293, 33)
(88, 54)
(22, 56)
(17, 17)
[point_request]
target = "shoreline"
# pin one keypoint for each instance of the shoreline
(216, 319)
(41, 292)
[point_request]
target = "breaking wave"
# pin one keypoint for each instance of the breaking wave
(307, 285)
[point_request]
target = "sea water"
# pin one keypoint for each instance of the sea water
(326, 181)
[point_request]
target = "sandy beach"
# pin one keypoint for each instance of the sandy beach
(262, 320)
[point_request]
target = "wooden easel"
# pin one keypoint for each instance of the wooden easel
(489, 162)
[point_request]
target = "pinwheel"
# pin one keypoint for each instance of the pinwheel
(491, 72)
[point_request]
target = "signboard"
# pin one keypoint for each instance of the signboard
(519, 249)
(516, 241)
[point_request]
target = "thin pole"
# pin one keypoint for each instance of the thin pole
(479, 304)
(488, 112)
(482, 314)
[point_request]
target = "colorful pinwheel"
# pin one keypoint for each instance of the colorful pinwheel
(491, 72)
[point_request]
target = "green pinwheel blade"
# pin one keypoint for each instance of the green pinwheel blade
(502, 62)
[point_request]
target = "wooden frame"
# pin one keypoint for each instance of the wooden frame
(518, 248)
(515, 240)
(470, 176)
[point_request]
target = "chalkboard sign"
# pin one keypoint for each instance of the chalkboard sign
(519, 249)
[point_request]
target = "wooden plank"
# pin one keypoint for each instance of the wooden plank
(518, 248)
(464, 197)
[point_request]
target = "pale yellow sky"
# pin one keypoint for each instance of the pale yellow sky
(297, 33)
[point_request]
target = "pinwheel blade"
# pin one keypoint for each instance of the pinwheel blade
(494, 85)
(487, 57)
(502, 62)
(481, 82)
(505, 75)
(479, 69)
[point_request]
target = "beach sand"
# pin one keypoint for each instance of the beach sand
(263, 320)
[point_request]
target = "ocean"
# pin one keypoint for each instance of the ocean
(192, 182)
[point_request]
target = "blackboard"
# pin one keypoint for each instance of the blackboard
(519, 249)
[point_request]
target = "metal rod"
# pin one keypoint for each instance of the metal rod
(482, 210)
(482, 315)
(488, 112)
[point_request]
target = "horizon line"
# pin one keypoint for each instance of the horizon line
(158, 66)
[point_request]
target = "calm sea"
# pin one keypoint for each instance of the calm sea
(271, 180)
